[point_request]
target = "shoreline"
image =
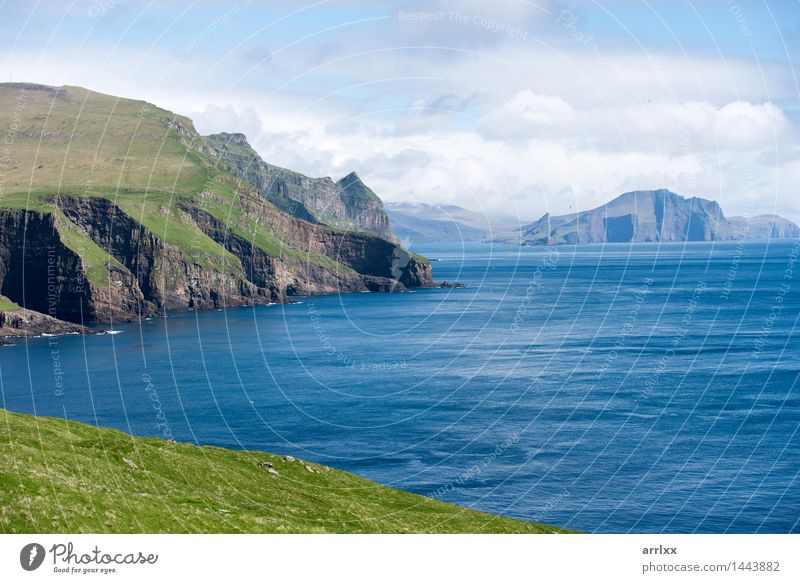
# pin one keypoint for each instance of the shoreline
(49, 327)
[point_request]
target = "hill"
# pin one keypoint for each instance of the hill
(60, 476)
(424, 222)
(762, 227)
(116, 209)
(650, 216)
(347, 203)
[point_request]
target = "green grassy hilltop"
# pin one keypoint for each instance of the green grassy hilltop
(72, 141)
(60, 476)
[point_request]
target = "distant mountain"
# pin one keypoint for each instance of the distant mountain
(424, 222)
(762, 227)
(346, 204)
(649, 216)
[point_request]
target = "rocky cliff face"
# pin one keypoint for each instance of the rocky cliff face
(39, 272)
(356, 261)
(153, 275)
(160, 275)
(649, 216)
(348, 203)
(162, 225)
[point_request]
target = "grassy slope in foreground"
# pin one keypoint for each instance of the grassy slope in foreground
(67, 477)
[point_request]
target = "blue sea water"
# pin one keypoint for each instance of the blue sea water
(602, 388)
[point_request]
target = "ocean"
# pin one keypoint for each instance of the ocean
(648, 388)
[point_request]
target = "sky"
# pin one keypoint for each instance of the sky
(507, 107)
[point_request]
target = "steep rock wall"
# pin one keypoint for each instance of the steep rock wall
(165, 275)
(39, 272)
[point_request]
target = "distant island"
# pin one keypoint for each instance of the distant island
(421, 222)
(643, 216)
(646, 216)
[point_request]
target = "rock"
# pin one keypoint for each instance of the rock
(22, 322)
(309, 468)
(265, 465)
(273, 472)
(152, 275)
(347, 204)
(451, 284)
(289, 458)
(130, 463)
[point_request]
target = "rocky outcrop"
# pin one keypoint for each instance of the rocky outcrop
(29, 323)
(39, 272)
(363, 207)
(148, 275)
(358, 261)
(650, 216)
(347, 204)
(162, 275)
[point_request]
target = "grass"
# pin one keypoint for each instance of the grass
(60, 476)
(7, 305)
(237, 222)
(76, 138)
(353, 189)
(159, 213)
(93, 257)
(79, 142)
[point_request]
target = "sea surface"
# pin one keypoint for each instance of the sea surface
(602, 388)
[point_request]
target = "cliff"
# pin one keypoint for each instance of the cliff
(112, 209)
(650, 216)
(346, 204)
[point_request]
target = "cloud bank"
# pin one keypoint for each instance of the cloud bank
(510, 107)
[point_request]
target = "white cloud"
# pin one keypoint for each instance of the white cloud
(215, 119)
(544, 154)
(528, 115)
(457, 113)
(749, 125)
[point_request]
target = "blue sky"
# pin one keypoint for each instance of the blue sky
(506, 106)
